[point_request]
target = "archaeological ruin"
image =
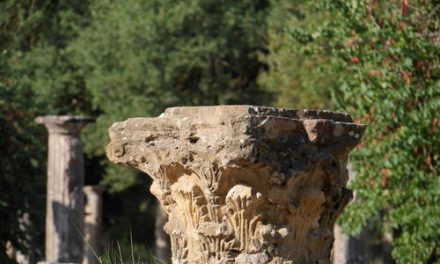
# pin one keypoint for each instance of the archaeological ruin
(243, 184)
(65, 180)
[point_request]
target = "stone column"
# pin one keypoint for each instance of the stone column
(65, 178)
(243, 184)
(92, 224)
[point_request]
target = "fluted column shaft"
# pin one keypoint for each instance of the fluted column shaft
(65, 180)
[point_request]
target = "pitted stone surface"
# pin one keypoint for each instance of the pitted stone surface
(243, 183)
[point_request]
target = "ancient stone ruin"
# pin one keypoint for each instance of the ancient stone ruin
(93, 245)
(243, 184)
(65, 180)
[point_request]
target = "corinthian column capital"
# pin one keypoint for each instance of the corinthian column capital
(243, 184)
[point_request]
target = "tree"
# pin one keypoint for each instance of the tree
(21, 173)
(138, 58)
(293, 73)
(33, 78)
(385, 56)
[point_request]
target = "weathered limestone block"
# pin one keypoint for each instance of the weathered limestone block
(243, 184)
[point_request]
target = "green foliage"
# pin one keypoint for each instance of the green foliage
(385, 59)
(138, 58)
(22, 168)
(294, 77)
(34, 36)
(113, 60)
(21, 173)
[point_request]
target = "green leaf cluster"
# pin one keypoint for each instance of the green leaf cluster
(294, 74)
(384, 58)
